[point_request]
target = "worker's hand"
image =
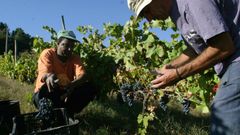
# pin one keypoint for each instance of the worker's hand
(69, 89)
(52, 82)
(166, 76)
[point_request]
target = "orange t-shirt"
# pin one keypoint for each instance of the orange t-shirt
(48, 62)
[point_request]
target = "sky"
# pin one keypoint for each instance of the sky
(32, 15)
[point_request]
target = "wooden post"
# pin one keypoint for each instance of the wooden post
(6, 43)
(15, 51)
(63, 23)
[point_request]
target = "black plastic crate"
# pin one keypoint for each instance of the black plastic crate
(27, 124)
(8, 109)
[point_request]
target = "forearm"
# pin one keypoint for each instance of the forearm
(218, 49)
(184, 58)
(200, 63)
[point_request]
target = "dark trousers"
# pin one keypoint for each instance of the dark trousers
(76, 101)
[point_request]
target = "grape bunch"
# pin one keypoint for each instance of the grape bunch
(186, 106)
(45, 111)
(163, 102)
(137, 86)
(127, 92)
(124, 90)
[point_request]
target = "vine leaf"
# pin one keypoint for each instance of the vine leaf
(150, 52)
(150, 39)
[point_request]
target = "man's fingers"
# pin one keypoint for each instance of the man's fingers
(49, 88)
(65, 100)
(157, 86)
(56, 81)
(158, 82)
(52, 83)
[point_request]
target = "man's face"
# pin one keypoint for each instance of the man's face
(65, 48)
(157, 10)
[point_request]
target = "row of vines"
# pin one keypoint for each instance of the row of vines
(134, 51)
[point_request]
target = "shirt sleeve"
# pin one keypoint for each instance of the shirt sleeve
(44, 66)
(207, 18)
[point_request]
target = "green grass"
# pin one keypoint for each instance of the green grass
(109, 117)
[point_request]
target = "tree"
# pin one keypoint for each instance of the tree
(24, 41)
(3, 29)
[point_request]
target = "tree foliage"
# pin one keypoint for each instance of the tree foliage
(24, 40)
(3, 30)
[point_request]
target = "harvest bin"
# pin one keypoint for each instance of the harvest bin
(8, 109)
(27, 124)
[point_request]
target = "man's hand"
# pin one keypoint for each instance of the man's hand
(166, 76)
(219, 48)
(75, 83)
(52, 82)
(69, 89)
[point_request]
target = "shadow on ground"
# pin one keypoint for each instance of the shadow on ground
(115, 118)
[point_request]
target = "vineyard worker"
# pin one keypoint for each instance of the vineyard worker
(61, 76)
(211, 31)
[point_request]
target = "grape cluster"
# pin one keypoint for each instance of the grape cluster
(127, 92)
(45, 111)
(137, 86)
(163, 102)
(186, 106)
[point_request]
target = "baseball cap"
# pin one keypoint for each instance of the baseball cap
(137, 5)
(67, 34)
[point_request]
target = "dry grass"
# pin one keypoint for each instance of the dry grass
(13, 90)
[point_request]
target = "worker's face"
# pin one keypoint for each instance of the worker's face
(157, 10)
(65, 48)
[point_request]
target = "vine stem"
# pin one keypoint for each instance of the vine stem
(145, 97)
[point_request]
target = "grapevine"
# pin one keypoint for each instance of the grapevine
(125, 65)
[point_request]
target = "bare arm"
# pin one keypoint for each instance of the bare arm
(184, 58)
(219, 48)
